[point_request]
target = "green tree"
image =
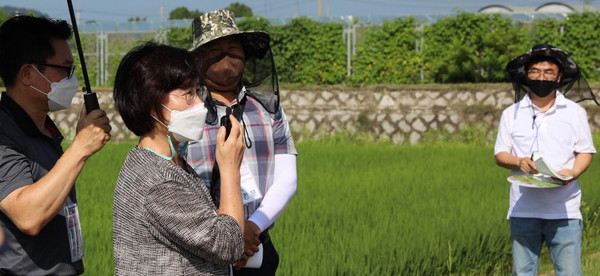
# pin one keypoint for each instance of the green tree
(136, 19)
(3, 16)
(180, 37)
(254, 24)
(388, 54)
(547, 31)
(184, 13)
(471, 48)
(239, 9)
(309, 52)
(88, 43)
(581, 38)
(14, 10)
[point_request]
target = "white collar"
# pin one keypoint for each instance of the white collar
(559, 100)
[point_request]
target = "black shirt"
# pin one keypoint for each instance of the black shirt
(26, 155)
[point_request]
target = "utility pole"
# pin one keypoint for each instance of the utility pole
(319, 8)
(162, 12)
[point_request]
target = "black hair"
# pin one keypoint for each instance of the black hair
(542, 58)
(145, 76)
(27, 40)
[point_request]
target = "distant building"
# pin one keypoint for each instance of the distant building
(558, 7)
(547, 8)
(505, 9)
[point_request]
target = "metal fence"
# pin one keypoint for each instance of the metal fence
(104, 56)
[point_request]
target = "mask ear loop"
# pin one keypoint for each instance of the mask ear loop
(36, 69)
(37, 89)
(247, 140)
(238, 112)
(172, 149)
(163, 124)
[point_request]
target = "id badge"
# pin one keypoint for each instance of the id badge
(74, 230)
(250, 191)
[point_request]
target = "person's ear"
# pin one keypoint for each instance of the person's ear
(26, 75)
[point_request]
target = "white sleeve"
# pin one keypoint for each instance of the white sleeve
(279, 194)
(584, 143)
(504, 139)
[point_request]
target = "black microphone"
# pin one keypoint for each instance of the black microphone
(226, 122)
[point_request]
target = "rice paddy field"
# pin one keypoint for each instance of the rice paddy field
(370, 209)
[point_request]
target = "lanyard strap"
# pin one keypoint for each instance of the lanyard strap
(215, 177)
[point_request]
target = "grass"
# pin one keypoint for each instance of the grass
(365, 208)
(398, 211)
(95, 187)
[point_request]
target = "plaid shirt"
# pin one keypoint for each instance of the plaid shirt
(269, 133)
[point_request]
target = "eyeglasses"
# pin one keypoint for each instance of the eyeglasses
(70, 70)
(550, 74)
(190, 95)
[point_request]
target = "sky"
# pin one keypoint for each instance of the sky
(121, 10)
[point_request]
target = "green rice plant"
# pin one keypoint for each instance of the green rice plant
(591, 264)
(95, 187)
(475, 134)
(394, 210)
(367, 208)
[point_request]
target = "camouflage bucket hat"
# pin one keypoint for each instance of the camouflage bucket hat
(221, 23)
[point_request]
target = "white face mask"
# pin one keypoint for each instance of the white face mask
(187, 125)
(61, 93)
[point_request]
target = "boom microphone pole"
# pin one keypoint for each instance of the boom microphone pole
(89, 98)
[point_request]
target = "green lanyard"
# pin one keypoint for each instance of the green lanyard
(168, 158)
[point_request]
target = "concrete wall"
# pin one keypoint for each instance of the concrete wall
(401, 115)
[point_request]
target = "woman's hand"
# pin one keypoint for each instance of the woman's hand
(230, 152)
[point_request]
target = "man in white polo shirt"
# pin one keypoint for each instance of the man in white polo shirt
(546, 123)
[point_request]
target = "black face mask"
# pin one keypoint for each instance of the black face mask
(542, 88)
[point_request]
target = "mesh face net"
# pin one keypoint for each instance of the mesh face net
(260, 80)
(573, 84)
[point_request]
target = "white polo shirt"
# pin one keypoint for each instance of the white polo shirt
(557, 135)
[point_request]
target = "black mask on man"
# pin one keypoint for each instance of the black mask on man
(542, 88)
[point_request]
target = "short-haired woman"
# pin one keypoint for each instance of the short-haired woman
(164, 220)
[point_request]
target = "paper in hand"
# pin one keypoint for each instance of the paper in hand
(546, 170)
(256, 260)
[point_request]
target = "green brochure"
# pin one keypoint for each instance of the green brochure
(534, 181)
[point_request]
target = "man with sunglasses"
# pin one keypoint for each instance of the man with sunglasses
(544, 122)
(38, 206)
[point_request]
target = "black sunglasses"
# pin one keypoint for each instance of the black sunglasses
(70, 70)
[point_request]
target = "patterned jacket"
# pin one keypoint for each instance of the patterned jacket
(164, 222)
